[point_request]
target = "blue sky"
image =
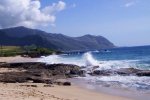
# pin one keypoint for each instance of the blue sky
(124, 22)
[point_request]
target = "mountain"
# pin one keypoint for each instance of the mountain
(21, 36)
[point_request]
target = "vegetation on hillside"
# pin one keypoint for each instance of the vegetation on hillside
(26, 51)
(21, 36)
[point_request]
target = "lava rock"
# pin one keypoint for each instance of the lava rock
(38, 72)
(143, 73)
(101, 72)
(127, 71)
(67, 83)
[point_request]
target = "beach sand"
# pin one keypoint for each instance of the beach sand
(17, 59)
(32, 91)
(24, 91)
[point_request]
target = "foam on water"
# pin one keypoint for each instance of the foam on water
(85, 60)
(116, 64)
(52, 59)
(89, 60)
(57, 59)
(127, 82)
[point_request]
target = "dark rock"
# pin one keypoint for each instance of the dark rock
(127, 71)
(77, 72)
(58, 83)
(67, 83)
(47, 86)
(13, 77)
(95, 67)
(29, 85)
(74, 72)
(102, 72)
(143, 73)
(48, 81)
(122, 71)
(82, 73)
(27, 65)
(66, 70)
(33, 85)
(64, 83)
(133, 71)
(36, 80)
(39, 72)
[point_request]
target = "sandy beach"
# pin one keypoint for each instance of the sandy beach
(38, 91)
(17, 59)
(30, 91)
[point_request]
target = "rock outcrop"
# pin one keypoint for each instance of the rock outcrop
(121, 71)
(38, 72)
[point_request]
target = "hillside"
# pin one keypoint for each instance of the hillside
(26, 51)
(21, 36)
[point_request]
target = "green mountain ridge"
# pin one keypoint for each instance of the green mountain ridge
(21, 36)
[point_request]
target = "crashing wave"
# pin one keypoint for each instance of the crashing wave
(89, 60)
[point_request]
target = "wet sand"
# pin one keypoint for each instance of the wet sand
(115, 91)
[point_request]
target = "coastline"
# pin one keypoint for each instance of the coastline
(121, 92)
(20, 91)
(74, 92)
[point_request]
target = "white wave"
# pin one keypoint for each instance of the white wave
(52, 59)
(85, 60)
(126, 79)
(96, 51)
(89, 60)
(134, 82)
(57, 59)
(116, 64)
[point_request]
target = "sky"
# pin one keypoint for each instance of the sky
(123, 22)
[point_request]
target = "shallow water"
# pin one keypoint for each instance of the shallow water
(132, 94)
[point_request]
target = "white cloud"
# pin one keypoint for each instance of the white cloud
(129, 4)
(28, 13)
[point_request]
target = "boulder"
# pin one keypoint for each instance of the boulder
(101, 72)
(47, 86)
(39, 72)
(122, 72)
(67, 83)
(64, 83)
(143, 73)
(127, 71)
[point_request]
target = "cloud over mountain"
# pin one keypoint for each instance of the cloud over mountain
(28, 13)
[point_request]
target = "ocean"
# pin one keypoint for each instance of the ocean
(111, 59)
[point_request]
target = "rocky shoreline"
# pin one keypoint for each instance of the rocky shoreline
(39, 81)
(36, 72)
(121, 72)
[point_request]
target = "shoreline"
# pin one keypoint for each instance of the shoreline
(20, 91)
(125, 93)
(66, 92)
(17, 59)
